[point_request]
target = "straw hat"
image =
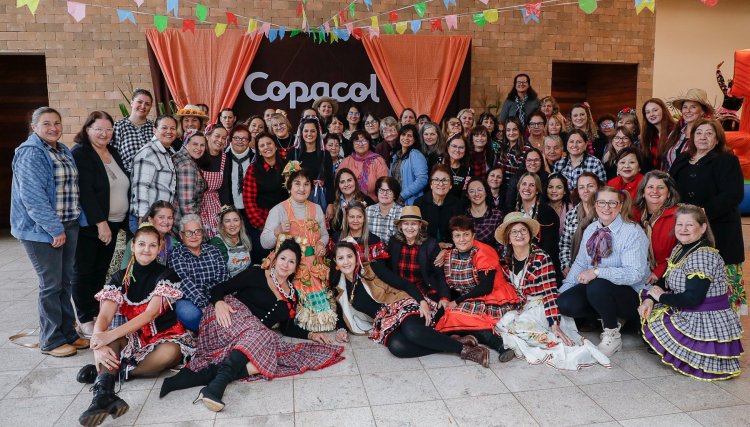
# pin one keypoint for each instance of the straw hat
(191, 110)
(410, 213)
(695, 95)
(328, 99)
(514, 218)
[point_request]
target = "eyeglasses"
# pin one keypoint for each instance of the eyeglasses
(354, 113)
(609, 203)
(278, 125)
(457, 147)
(240, 139)
(475, 191)
(193, 233)
(620, 138)
(441, 180)
(385, 191)
(360, 142)
(522, 82)
(100, 130)
(521, 232)
(536, 124)
(371, 122)
(609, 125)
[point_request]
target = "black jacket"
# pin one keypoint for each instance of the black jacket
(716, 184)
(432, 276)
(93, 184)
(438, 217)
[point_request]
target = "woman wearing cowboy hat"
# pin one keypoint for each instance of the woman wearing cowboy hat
(693, 106)
(188, 117)
(537, 330)
(326, 107)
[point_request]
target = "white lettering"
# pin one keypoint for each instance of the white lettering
(298, 92)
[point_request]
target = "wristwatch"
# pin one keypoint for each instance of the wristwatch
(596, 272)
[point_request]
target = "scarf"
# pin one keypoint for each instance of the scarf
(599, 245)
(367, 161)
(583, 222)
(238, 160)
(648, 221)
(520, 105)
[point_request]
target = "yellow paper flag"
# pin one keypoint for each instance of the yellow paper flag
(31, 4)
(219, 29)
(490, 15)
(374, 22)
(252, 25)
(401, 27)
(336, 21)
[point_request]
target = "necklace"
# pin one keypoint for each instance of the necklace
(284, 149)
(286, 296)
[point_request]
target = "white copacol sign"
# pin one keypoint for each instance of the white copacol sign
(298, 92)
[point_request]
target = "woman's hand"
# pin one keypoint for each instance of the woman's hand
(107, 359)
(656, 292)
(320, 337)
(560, 334)
(424, 311)
(719, 65)
(320, 249)
(58, 241)
(644, 310)
(329, 213)
(440, 260)
(342, 335)
(283, 228)
(443, 303)
(104, 233)
(586, 276)
(652, 278)
(565, 271)
(445, 245)
(101, 339)
(223, 313)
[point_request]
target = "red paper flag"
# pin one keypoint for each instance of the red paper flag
(392, 16)
(299, 9)
(710, 3)
(342, 17)
(357, 33)
(232, 19)
(436, 24)
(188, 25)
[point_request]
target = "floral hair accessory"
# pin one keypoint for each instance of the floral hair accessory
(626, 111)
(291, 167)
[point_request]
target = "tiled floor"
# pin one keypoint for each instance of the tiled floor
(369, 388)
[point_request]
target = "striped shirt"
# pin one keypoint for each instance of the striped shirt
(67, 195)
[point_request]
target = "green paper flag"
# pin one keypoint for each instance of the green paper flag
(588, 6)
(351, 10)
(160, 22)
(388, 29)
(294, 33)
(201, 11)
(420, 8)
(479, 19)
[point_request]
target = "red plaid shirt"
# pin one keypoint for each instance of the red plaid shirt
(255, 214)
(478, 165)
(408, 268)
(539, 280)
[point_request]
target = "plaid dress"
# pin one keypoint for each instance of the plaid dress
(701, 342)
(210, 203)
(272, 356)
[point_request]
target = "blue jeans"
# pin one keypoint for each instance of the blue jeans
(189, 314)
(56, 270)
(132, 223)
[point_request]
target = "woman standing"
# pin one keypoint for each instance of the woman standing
(438, 206)
(629, 176)
(490, 123)
(533, 162)
(485, 217)
(408, 117)
(232, 241)
(578, 219)
(689, 322)
(511, 159)
(622, 139)
(522, 100)
(353, 121)
(557, 197)
(327, 108)
(482, 157)
(190, 183)
(44, 215)
(496, 195)
(136, 130)
(709, 175)
(389, 145)
(537, 123)
(578, 161)
(693, 106)
(372, 128)
(456, 159)
(241, 153)
(282, 134)
(213, 175)
(466, 117)
(382, 215)
(432, 142)
(409, 166)
(104, 186)
(530, 204)
(581, 120)
(366, 164)
(657, 125)
(191, 117)
(310, 152)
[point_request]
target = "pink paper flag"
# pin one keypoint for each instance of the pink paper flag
(485, 1)
(266, 28)
(374, 32)
(451, 21)
(77, 10)
(138, 2)
(350, 27)
(327, 27)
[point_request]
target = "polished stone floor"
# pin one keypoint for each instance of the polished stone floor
(369, 388)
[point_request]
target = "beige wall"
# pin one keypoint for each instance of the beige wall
(692, 38)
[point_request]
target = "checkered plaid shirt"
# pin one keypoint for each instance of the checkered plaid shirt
(408, 267)
(383, 226)
(589, 163)
(67, 200)
(129, 139)
(485, 226)
(198, 274)
(256, 215)
(189, 187)
(566, 240)
(539, 281)
(153, 177)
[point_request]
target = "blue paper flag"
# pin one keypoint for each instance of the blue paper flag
(416, 25)
(172, 6)
(449, 2)
(282, 30)
(368, 3)
(272, 33)
(528, 17)
(123, 15)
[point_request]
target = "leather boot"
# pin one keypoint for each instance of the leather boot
(87, 374)
(495, 342)
(232, 368)
(186, 378)
(469, 340)
(479, 354)
(105, 402)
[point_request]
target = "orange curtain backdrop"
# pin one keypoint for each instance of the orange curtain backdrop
(416, 71)
(203, 68)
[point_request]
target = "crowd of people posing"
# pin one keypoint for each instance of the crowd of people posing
(511, 232)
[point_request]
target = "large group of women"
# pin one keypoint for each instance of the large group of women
(511, 232)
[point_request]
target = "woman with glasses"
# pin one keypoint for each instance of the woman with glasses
(533, 162)
(621, 139)
(200, 267)
(456, 159)
(389, 146)
(281, 130)
(609, 271)
(240, 154)
(452, 126)
(353, 121)
(438, 205)
(372, 127)
(522, 100)
(536, 125)
(366, 164)
(103, 185)
(382, 215)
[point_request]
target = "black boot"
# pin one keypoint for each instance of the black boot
(105, 402)
(87, 374)
(495, 342)
(232, 368)
(186, 378)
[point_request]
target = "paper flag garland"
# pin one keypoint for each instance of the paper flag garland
(282, 32)
(490, 15)
(299, 9)
(294, 33)
(401, 27)
(644, 4)
(368, 4)
(479, 19)
(342, 16)
(588, 6)
(351, 10)
(326, 28)
(374, 32)
(252, 25)
(485, 1)
(219, 29)
(231, 19)
(160, 22)
(31, 4)
(710, 3)
(350, 27)
(336, 21)
(201, 12)
(272, 35)
(357, 33)
(392, 16)
(531, 11)
(77, 10)
(123, 15)
(265, 28)
(415, 26)
(188, 25)
(388, 29)
(172, 6)
(374, 22)
(447, 2)
(420, 8)
(139, 3)
(451, 21)
(436, 24)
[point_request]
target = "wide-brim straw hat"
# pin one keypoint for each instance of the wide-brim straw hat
(696, 95)
(410, 213)
(191, 110)
(515, 218)
(328, 99)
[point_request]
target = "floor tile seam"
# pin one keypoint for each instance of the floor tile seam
(19, 382)
(615, 418)
(690, 413)
(485, 395)
(675, 403)
(527, 408)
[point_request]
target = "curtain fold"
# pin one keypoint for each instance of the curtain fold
(418, 71)
(203, 68)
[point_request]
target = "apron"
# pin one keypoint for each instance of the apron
(211, 205)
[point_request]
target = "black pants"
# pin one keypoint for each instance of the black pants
(257, 253)
(414, 339)
(92, 263)
(600, 298)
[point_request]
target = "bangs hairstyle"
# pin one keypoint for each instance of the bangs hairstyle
(392, 184)
(244, 239)
(356, 205)
(673, 196)
(699, 215)
(291, 245)
(82, 137)
(461, 223)
(146, 228)
(299, 173)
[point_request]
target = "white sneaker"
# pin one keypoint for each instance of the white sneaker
(86, 329)
(611, 341)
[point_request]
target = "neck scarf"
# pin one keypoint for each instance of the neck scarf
(648, 221)
(367, 161)
(599, 245)
(238, 160)
(520, 105)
